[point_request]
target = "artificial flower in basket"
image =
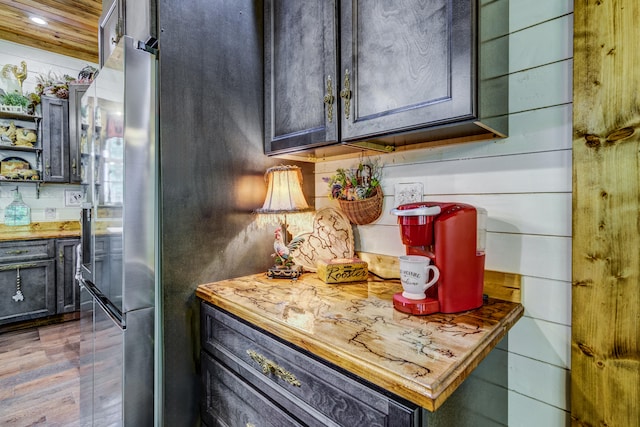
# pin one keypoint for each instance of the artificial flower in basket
(358, 192)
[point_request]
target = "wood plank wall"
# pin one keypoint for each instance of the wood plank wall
(524, 181)
(605, 382)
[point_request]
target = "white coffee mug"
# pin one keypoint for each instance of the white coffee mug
(414, 275)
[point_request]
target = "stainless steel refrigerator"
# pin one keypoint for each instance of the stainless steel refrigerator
(118, 266)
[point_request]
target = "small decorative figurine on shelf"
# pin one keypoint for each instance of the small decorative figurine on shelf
(19, 73)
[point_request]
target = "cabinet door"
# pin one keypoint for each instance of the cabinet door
(408, 64)
(67, 290)
(55, 139)
(300, 71)
(36, 282)
(111, 29)
(75, 131)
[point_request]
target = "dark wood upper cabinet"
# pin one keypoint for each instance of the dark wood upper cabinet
(55, 139)
(409, 72)
(300, 70)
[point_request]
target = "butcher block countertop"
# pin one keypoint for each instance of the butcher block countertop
(354, 326)
(40, 230)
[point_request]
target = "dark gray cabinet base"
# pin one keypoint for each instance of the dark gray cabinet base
(251, 378)
(37, 279)
(27, 280)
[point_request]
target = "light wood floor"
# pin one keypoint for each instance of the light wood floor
(39, 376)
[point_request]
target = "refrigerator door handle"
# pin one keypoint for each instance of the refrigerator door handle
(114, 313)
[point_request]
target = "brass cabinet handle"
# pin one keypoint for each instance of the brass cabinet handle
(61, 255)
(17, 252)
(329, 99)
(17, 267)
(270, 367)
(345, 93)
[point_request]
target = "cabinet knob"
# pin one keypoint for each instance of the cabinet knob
(329, 99)
(345, 93)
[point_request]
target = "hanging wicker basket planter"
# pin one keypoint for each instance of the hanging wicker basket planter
(365, 211)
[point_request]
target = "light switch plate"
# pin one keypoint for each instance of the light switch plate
(408, 193)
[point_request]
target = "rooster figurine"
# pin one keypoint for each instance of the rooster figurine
(19, 73)
(283, 250)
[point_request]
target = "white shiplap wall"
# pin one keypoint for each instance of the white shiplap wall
(524, 181)
(39, 62)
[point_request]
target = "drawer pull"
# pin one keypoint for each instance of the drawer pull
(269, 366)
(19, 296)
(17, 252)
(17, 267)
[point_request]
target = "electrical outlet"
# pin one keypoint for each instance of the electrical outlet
(408, 193)
(50, 213)
(72, 198)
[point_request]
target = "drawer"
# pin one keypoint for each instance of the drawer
(25, 250)
(228, 401)
(310, 389)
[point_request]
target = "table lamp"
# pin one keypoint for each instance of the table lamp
(284, 196)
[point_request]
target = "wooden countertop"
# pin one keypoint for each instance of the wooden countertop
(354, 326)
(40, 230)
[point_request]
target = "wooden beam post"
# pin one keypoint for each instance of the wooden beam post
(605, 377)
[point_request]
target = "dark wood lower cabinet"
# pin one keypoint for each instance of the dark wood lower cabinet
(250, 378)
(37, 279)
(27, 290)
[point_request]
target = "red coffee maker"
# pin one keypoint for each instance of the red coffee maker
(447, 233)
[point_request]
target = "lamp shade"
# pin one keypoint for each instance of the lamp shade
(284, 191)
